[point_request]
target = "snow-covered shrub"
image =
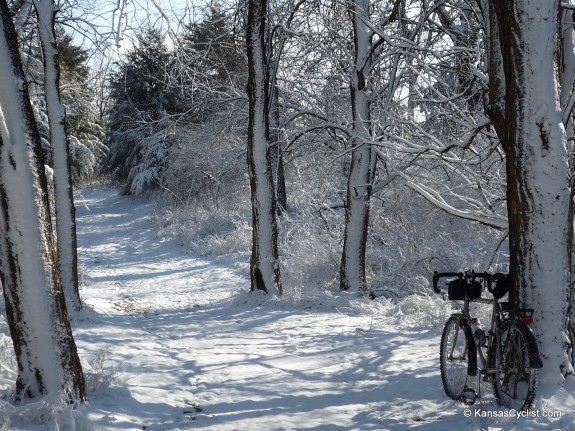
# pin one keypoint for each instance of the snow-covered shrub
(311, 231)
(417, 311)
(98, 373)
(204, 202)
(410, 238)
(85, 158)
(209, 213)
(148, 168)
(203, 230)
(55, 412)
(206, 164)
(310, 248)
(8, 365)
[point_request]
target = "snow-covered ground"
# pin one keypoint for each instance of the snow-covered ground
(175, 342)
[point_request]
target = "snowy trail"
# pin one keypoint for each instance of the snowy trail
(190, 355)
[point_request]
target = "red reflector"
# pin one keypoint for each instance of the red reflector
(528, 320)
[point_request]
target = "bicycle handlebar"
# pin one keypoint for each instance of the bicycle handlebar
(467, 274)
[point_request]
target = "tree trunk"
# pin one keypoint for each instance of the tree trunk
(264, 264)
(525, 110)
(352, 271)
(63, 193)
(48, 362)
(567, 95)
(276, 156)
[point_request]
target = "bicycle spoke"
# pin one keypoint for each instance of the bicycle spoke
(516, 381)
(453, 358)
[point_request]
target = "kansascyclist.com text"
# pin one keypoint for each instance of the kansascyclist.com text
(480, 413)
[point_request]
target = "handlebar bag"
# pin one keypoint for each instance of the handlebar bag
(503, 284)
(460, 289)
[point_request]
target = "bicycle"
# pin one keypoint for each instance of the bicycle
(509, 353)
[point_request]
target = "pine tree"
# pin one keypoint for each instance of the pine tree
(84, 125)
(216, 49)
(142, 97)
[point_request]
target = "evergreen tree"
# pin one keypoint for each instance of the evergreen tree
(83, 122)
(142, 97)
(217, 49)
(212, 65)
(157, 91)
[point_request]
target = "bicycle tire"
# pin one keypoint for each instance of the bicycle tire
(454, 356)
(515, 383)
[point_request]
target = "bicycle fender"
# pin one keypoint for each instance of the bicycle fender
(471, 347)
(532, 347)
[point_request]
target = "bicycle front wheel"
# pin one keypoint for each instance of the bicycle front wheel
(515, 381)
(454, 356)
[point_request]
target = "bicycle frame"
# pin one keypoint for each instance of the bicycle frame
(488, 368)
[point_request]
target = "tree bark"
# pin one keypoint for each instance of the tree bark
(525, 109)
(63, 192)
(276, 156)
(46, 353)
(361, 173)
(264, 263)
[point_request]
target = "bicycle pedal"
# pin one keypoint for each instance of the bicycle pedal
(469, 396)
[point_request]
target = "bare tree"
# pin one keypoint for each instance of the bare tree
(362, 169)
(277, 39)
(60, 145)
(276, 136)
(567, 58)
(525, 109)
(264, 264)
(48, 362)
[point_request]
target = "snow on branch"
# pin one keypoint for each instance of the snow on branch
(497, 222)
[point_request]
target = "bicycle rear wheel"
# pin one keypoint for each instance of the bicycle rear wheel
(515, 382)
(454, 356)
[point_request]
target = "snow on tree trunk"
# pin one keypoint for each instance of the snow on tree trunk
(526, 112)
(63, 193)
(567, 100)
(48, 362)
(264, 264)
(352, 271)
